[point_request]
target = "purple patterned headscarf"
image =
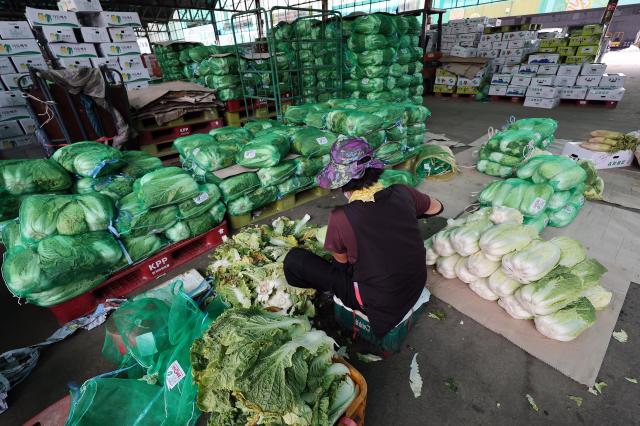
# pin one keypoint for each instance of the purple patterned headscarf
(345, 164)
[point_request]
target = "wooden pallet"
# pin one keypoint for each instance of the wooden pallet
(288, 202)
(170, 133)
(187, 118)
(590, 102)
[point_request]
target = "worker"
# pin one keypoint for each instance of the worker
(378, 264)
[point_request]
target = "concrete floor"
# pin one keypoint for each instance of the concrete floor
(492, 374)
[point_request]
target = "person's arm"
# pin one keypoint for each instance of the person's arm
(333, 242)
(425, 205)
(340, 257)
(435, 208)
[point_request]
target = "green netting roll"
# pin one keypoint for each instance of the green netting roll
(312, 142)
(377, 57)
(253, 201)
(270, 176)
(264, 151)
(433, 160)
(310, 166)
(134, 220)
(295, 184)
(352, 122)
(397, 70)
(361, 42)
(375, 23)
(89, 159)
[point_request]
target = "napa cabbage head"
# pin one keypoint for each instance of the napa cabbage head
(532, 262)
(569, 322)
(505, 238)
(553, 292)
(572, 251)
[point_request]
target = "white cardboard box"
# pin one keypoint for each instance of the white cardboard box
(9, 129)
(137, 86)
(548, 69)
(446, 80)
(588, 80)
(520, 80)
(601, 160)
(468, 37)
(80, 5)
(73, 50)
(512, 52)
(22, 63)
(519, 44)
(513, 60)
(94, 35)
(119, 49)
(500, 45)
(135, 76)
(520, 35)
(133, 63)
(117, 19)
(11, 80)
(612, 80)
(446, 38)
(485, 45)
(498, 90)
(6, 66)
(543, 92)
(519, 91)
(464, 52)
(542, 80)
(491, 37)
(488, 53)
(528, 68)
(119, 35)
(10, 98)
(544, 58)
(110, 62)
(462, 82)
(468, 43)
(575, 92)
(569, 70)
(605, 93)
(537, 102)
(501, 79)
(510, 69)
(19, 47)
(13, 113)
(59, 34)
(15, 30)
(38, 17)
(75, 63)
(28, 125)
(593, 69)
(565, 80)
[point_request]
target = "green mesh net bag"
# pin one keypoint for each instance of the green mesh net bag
(143, 246)
(374, 24)
(209, 194)
(390, 153)
(359, 43)
(138, 163)
(236, 186)
(545, 126)
(114, 187)
(236, 135)
(312, 142)
(220, 82)
(296, 184)
(353, 123)
(254, 126)
(376, 139)
(264, 151)
(434, 160)
(253, 201)
(270, 176)
(18, 177)
(135, 220)
(194, 226)
(168, 185)
(310, 166)
(402, 177)
(385, 56)
(230, 93)
(415, 113)
(89, 159)
(297, 114)
(222, 65)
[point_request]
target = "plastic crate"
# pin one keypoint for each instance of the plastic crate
(139, 274)
(359, 324)
(354, 416)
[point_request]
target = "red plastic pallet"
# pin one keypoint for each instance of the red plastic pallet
(135, 276)
(234, 105)
(54, 415)
(168, 134)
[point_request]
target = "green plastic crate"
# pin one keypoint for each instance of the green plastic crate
(358, 323)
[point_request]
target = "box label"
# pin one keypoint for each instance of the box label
(175, 374)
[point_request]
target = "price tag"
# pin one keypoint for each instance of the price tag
(248, 155)
(201, 198)
(538, 204)
(175, 374)
(365, 81)
(322, 140)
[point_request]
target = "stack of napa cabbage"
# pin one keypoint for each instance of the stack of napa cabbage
(551, 282)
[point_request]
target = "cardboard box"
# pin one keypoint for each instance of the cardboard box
(59, 34)
(94, 35)
(520, 80)
(446, 81)
(500, 45)
(549, 42)
(22, 63)
(80, 5)
(119, 49)
(512, 52)
(110, 62)
(117, 19)
(444, 88)
(612, 80)
(468, 44)
(75, 63)
(520, 35)
(497, 90)
(489, 53)
(10, 30)
(13, 113)
(474, 37)
(518, 91)
(588, 80)
(446, 38)
(465, 82)
(587, 50)
(9, 129)
(6, 66)
(467, 90)
(548, 69)
(501, 79)
(137, 86)
(510, 69)
(574, 92)
(485, 45)
(593, 69)
(592, 29)
(579, 60)
(73, 50)
(519, 44)
(605, 93)
(592, 40)
(528, 68)
(11, 80)
(491, 37)
(119, 35)
(28, 125)
(10, 98)
(565, 80)
(537, 102)
(513, 60)
(601, 160)
(567, 51)
(19, 47)
(543, 92)
(544, 58)
(542, 80)
(547, 49)
(569, 70)
(464, 52)
(134, 76)
(39, 17)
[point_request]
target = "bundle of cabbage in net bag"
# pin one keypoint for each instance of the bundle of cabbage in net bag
(372, 71)
(114, 187)
(89, 159)
(352, 123)
(253, 201)
(220, 65)
(255, 126)
(434, 160)
(134, 220)
(236, 186)
(317, 118)
(230, 134)
(211, 157)
(186, 144)
(222, 81)
(375, 23)
(56, 268)
(403, 177)
(295, 184)
(18, 177)
(506, 150)
(359, 43)
(546, 127)
(265, 150)
(198, 53)
(138, 163)
(209, 194)
(297, 114)
(197, 225)
(396, 133)
(43, 216)
(415, 114)
(312, 142)
(385, 56)
(370, 85)
(169, 185)
(143, 246)
(310, 166)
(413, 24)
(390, 153)
(271, 176)
(230, 93)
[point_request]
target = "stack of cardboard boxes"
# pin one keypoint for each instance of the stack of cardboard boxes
(83, 35)
(507, 49)
(448, 82)
(461, 37)
(579, 47)
(18, 50)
